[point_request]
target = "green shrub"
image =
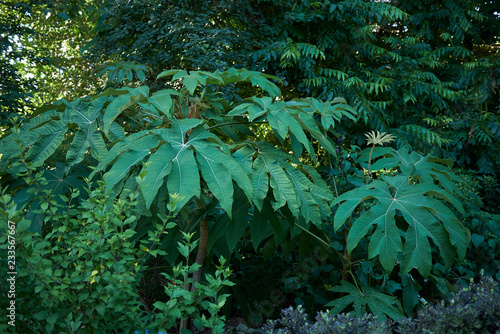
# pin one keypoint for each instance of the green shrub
(475, 309)
(83, 275)
(295, 321)
(202, 304)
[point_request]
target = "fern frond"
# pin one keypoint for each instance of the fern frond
(314, 82)
(387, 10)
(483, 133)
(292, 52)
(331, 73)
(310, 50)
(424, 134)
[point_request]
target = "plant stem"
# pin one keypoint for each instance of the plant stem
(327, 245)
(202, 252)
(200, 258)
(233, 123)
(335, 186)
(313, 235)
(369, 164)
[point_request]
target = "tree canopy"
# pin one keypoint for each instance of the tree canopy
(42, 48)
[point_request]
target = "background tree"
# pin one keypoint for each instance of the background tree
(42, 47)
(193, 35)
(14, 88)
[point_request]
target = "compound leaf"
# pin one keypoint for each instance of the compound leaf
(426, 216)
(378, 302)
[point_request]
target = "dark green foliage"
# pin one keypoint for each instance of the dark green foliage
(187, 133)
(483, 221)
(484, 251)
(81, 275)
(194, 35)
(256, 154)
(418, 70)
(118, 72)
(87, 273)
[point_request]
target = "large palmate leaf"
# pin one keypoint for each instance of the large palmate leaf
(46, 144)
(290, 185)
(293, 118)
(365, 299)
(427, 218)
(179, 155)
(236, 227)
(117, 72)
(332, 111)
(195, 79)
(267, 169)
(175, 157)
(60, 180)
(89, 137)
(121, 103)
(162, 100)
(44, 133)
(217, 175)
(172, 103)
(424, 168)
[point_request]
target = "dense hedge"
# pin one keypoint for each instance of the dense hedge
(475, 309)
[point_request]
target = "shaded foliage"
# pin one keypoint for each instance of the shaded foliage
(194, 35)
(14, 89)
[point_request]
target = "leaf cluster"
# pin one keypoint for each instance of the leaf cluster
(86, 273)
(400, 65)
(192, 141)
(297, 321)
(82, 275)
(472, 309)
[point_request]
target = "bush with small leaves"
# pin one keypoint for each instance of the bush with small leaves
(475, 309)
(295, 321)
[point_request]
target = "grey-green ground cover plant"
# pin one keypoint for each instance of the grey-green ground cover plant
(474, 309)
